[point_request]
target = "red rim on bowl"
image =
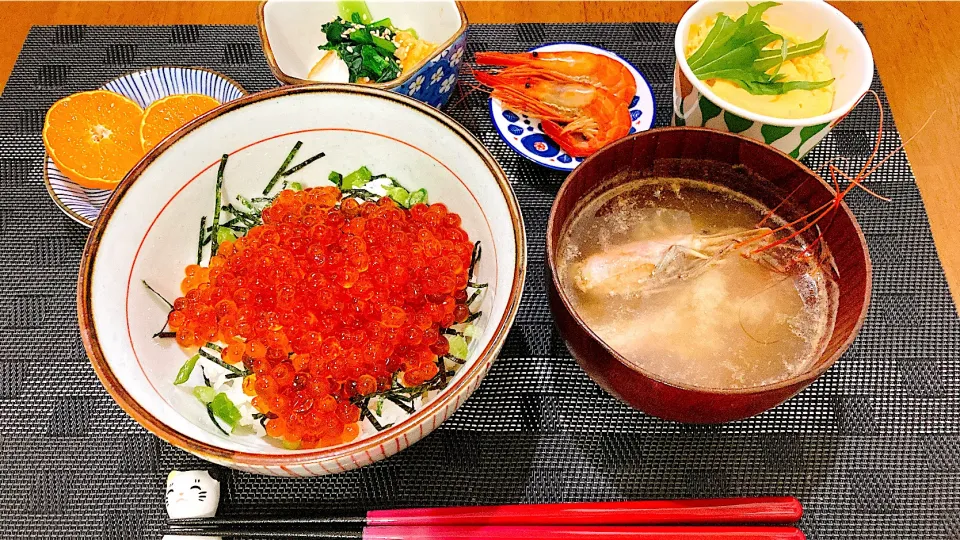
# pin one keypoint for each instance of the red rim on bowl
(470, 376)
(680, 143)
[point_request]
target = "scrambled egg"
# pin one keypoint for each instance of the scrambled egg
(410, 50)
(793, 104)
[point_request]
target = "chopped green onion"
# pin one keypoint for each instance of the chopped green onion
(458, 346)
(204, 393)
(225, 410)
(398, 194)
(356, 179)
(471, 331)
(224, 234)
(295, 445)
(186, 369)
(296, 186)
(418, 196)
(335, 178)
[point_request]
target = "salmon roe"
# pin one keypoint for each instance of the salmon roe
(326, 301)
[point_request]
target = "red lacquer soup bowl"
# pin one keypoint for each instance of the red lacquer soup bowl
(748, 167)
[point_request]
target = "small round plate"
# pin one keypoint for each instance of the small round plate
(144, 87)
(524, 135)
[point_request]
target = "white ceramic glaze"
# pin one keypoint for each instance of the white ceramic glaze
(149, 232)
(524, 135)
(143, 87)
(846, 48)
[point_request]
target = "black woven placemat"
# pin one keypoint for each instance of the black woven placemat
(872, 448)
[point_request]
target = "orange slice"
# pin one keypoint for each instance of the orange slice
(93, 137)
(164, 116)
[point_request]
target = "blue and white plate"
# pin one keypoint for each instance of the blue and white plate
(524, 135)
(144, 87)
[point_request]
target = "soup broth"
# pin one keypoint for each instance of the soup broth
(653, 268)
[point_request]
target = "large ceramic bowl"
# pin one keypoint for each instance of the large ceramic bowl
(290, 33)
(742, 165)
(695, 104)
(148, 232)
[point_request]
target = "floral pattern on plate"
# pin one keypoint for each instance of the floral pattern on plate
(524, 135)
(144, 87)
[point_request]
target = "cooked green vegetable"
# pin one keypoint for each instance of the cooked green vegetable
(734, 50)
(367, 48)
(350, 8)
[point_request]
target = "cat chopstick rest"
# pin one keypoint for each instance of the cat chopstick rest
(191, 494)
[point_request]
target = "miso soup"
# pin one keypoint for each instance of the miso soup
(664, 272)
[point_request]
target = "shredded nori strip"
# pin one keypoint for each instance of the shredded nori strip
(214, 244)
(279, 173)
(203, 240)
(302, 164)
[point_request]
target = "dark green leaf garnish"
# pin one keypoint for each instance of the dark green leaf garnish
(734, 50)
(367, 49)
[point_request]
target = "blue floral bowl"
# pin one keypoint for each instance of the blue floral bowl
(290, 33)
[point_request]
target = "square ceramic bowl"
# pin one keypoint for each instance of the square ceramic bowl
(695, 104)
(290, 33)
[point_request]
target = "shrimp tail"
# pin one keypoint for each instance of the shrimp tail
(569, 142)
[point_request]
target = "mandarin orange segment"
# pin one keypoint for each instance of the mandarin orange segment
(93, 137)
(164, 116)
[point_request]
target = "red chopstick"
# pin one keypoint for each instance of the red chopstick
(582, 533)
(691, 512)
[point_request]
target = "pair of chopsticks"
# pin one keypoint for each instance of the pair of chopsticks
(702, 519)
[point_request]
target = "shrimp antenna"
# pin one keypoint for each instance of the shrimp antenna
(829, 208)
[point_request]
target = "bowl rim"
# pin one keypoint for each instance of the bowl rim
(48, 162)
(836, 113)
(473, 373)
(803, 378)
(291, 80)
